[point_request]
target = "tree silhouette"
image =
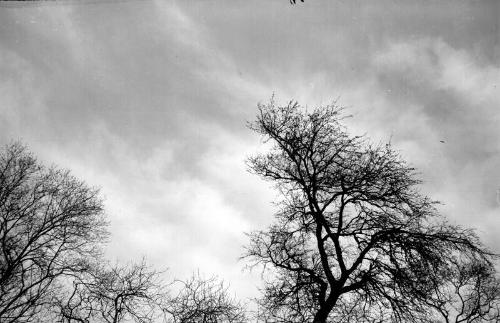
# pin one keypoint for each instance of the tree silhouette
(352, 234)
(51, 267)
(202, 300)
(467, 291)
(50, 224)
(112, 294)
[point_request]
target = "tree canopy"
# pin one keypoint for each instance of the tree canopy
(353, 236)
(50, 224)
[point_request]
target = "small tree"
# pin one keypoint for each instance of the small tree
(50, 224)
(204, 301)
(114, 294)
(352, 231)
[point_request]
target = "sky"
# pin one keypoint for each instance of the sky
(149, 100)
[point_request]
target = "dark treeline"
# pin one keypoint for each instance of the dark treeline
(353, 240)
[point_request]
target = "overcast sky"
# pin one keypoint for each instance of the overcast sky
(149, 100)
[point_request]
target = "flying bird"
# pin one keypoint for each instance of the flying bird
(441, 141)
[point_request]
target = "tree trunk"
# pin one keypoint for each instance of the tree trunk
(321, 316)
(323, 312)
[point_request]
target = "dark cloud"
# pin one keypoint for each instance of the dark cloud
(149, 100)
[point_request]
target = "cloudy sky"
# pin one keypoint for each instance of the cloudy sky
(149, 100)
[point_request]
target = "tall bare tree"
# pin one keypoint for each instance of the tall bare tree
(50, 223)
(352, 230)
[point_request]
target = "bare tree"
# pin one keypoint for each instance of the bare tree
(204, 301)
(50, 223)
(467, 291)
(352, 230)
(115, 294)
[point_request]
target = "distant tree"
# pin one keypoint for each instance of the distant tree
(202, 300)
(50, 225)
(112, 294)
(353, 235)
